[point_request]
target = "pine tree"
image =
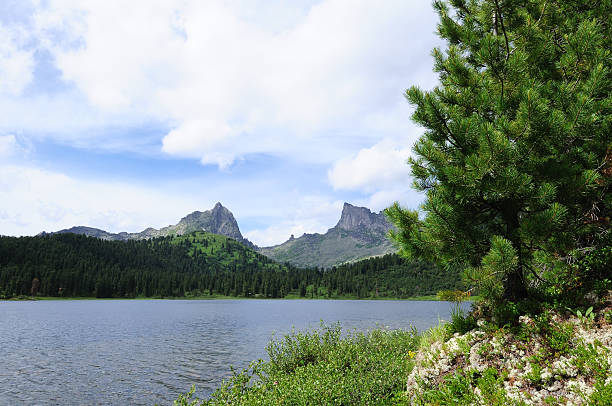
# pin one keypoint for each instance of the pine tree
(515, 160)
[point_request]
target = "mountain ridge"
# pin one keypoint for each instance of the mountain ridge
(219, 220)
(359, 234)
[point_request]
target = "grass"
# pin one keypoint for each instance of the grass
(222, 250)
(330, 367)
(324, 366)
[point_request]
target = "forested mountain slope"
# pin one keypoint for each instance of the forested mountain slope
(76, 265)
(195, 264)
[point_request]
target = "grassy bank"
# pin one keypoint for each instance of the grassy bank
(549, 358)
(323, 367)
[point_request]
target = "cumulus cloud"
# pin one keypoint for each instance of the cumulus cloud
(310, 214)
(221, 75)
(8, 145)
(34, 200)
(16, 63)
(381, 172)
(219, 81)
(371, 168)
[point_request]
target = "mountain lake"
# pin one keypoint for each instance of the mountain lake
(141, 352)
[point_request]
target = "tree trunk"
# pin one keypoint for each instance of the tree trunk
(515, 288)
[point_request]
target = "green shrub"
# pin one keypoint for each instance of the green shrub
(461, 322)
(491, 385)
(607, 316)
(559, 337)
(455, 390)
(602, 395)
(325, 367)
(590, 361)
(301, 348)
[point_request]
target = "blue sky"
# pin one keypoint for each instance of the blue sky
(125, 115)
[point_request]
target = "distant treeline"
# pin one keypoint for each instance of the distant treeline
(197, 264)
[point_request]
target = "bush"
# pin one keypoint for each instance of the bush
(300, 349)
(324, 367)
(461, 322)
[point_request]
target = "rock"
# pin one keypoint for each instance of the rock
(218, 220)
(358, 234)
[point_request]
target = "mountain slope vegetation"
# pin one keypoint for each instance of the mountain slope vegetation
(194, 265)
(76, 265)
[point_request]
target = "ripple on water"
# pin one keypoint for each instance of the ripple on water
(140, 352)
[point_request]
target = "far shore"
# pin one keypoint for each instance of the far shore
(221, 297)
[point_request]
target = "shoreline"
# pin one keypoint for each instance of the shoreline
(429, 298)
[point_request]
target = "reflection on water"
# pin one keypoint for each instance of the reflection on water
(146, 351)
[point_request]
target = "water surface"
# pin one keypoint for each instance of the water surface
(120, 352)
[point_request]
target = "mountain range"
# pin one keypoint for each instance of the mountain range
(358, 234)
(218, 220)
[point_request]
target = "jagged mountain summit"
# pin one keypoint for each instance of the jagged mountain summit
(358, 234)
(218, 220)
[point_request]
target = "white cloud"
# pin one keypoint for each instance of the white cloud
(16, 64)
(221, 80)
(371, 168)
(309, 214)
(402, 193)
(381, 172)
(279, 233)
(8, 145)
(228, 81)
(34, 200)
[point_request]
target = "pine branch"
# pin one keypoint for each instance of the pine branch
(501, 20)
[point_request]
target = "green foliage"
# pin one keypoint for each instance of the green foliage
(461, 322)
(439, 333)
(389, 276)
(591, 362)
(456, 296)
(195, 265)
(325, 367)
(516, 157)
(75, 265)
(457, 389)
(556, 337)
(559, 338)
(602, 395)
(587, 317)
(302, 348)
(187, 399)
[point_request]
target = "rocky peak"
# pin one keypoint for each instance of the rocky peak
(222, 213)
(354, 217)
(219, 220)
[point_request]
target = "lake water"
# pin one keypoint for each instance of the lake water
(139, 352)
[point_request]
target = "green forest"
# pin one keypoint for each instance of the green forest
(195, 265)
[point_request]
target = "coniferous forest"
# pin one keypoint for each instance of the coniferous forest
(195, 265)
